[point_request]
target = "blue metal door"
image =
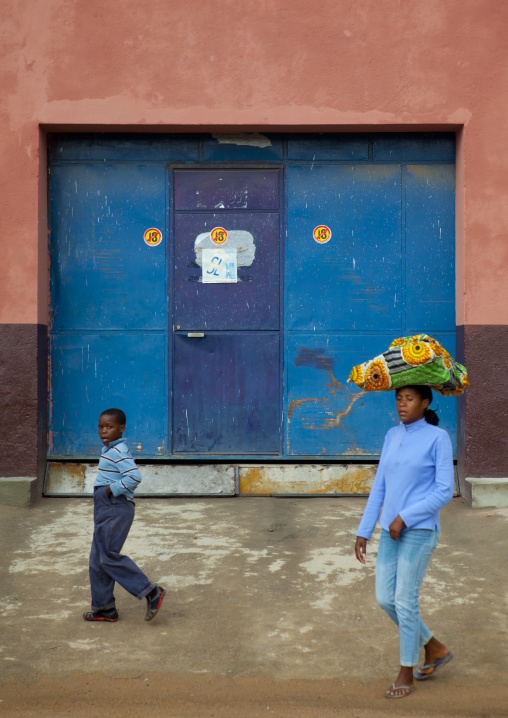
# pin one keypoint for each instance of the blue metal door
(108, 340)
(226, 390)
(243, 368)
(387, 270)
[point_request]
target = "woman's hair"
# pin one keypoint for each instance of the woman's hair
(425, 392)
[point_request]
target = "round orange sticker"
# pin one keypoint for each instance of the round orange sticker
(219, 235)
(322, 234)
(153, 237)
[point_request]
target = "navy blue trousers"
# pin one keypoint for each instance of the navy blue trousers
(113, 517)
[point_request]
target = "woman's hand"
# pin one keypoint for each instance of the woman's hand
(396, 527)
(361, 548)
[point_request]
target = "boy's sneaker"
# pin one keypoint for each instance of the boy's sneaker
(154, 601)
(110, 615)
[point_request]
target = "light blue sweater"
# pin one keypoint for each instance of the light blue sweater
(414, 479)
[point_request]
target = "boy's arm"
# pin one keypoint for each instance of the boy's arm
(129, 478)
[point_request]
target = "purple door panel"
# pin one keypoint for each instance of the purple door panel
(226, 394)
(226, 189)
(250, 303)
(227, 386)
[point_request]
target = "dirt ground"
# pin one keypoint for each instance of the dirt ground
(267, 614)
(206, 696)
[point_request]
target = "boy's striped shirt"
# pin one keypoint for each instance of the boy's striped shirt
(118, 469)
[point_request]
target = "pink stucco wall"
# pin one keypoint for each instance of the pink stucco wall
(168, 64)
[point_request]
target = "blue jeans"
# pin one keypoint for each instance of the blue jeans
(400, 570)
(113, 517)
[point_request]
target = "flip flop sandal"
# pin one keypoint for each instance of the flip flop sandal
(437, 664)
(111, 615)
(407, 690)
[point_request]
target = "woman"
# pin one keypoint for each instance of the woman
(413, 481)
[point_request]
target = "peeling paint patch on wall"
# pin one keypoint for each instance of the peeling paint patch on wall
(238, 239)
(306, 479)
(249, 139)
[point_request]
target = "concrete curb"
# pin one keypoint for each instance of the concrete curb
(488, 493)
(18, 491)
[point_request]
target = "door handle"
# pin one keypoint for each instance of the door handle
(195, 335)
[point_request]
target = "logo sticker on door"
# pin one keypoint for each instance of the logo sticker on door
(322, 234)
(219, 235)
(152, 237)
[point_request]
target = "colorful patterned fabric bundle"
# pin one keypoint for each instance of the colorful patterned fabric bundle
(412, 360)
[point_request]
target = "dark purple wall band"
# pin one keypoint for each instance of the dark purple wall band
(23, 378)
(482, 411)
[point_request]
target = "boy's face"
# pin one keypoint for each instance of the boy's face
(109, 429)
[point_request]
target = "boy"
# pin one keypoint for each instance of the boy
(114, 488)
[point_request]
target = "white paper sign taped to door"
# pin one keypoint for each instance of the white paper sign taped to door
(219, 265)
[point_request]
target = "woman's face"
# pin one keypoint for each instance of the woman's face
(410, 406)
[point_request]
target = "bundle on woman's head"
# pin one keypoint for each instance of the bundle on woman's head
(414, 361)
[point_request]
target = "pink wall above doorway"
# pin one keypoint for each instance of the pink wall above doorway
(167, 65)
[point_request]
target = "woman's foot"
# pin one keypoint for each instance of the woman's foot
(436, 655)
(402, 685)
(399, 691)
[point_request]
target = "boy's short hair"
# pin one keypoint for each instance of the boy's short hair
(118, 414)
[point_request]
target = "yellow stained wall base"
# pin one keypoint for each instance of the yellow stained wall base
(306, 479)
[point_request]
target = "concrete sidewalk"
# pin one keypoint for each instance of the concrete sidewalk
(262, 592)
